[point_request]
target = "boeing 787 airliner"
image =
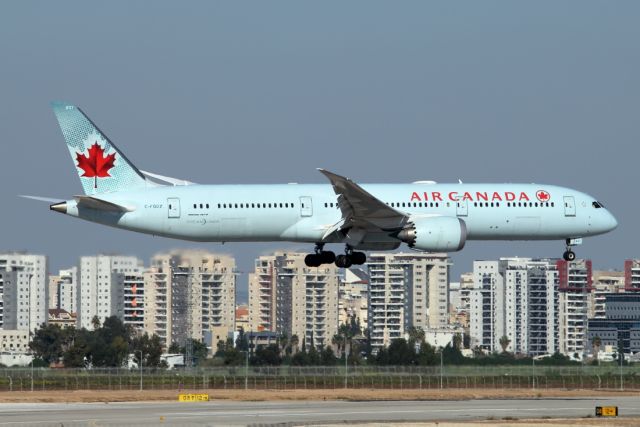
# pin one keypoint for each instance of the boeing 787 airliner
(425, 215)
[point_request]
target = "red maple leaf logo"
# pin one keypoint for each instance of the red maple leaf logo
(96, 165)
(543, 196)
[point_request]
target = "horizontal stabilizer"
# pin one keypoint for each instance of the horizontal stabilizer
(99, 204)
(40, 199)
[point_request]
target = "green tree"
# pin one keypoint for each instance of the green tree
(151, 348)
(50, 341)
(327, 357)
(266, 355)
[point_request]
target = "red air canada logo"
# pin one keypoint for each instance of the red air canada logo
(543, 196)
(96, 164)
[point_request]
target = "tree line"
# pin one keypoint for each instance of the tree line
(110, 343)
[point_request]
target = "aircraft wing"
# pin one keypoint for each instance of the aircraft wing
(362, 210)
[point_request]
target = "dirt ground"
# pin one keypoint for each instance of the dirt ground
(269, 395)
(621, 422)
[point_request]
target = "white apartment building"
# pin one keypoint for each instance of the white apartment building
(63, 290)
(516, 298)
(406, 290)
(575, 286)
(23, 291)
(190, 294)
(102, 285)
(134, 302)
(287, 297)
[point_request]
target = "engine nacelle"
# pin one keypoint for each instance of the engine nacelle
(435, 234)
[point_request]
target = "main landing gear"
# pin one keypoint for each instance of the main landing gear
(568, 254)
(321, 256)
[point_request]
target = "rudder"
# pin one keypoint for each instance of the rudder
(100, 165)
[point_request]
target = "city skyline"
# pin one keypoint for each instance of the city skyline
(243, 272)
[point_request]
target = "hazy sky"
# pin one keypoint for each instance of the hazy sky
(266, 92)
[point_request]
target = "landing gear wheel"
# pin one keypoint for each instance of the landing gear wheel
(359, 258)
(313, 260)
(327, 257)
(343, 261)
(569, 255)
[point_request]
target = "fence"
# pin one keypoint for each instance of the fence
(323, 377)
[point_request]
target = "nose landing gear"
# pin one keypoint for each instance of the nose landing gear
(568, 254)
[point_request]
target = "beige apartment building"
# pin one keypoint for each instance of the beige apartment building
(190, 294)
(286, 296)
(354, 297)
(604, 282)
(407, 290)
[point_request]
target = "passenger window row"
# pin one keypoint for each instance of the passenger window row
(245, 205)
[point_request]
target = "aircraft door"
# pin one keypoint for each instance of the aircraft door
(173, 204)
(569, 206)
(306, 206)
(461, 208)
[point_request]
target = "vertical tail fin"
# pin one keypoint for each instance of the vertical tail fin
(100, 165)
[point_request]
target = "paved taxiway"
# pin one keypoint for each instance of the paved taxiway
(246, 413)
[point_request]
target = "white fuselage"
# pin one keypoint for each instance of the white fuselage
(304, 212)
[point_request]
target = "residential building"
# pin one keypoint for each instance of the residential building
(632, 275)
(460, 301)
(287, 297)
(63, 318)
(515, 298)
(63, 290)
(23, 291)
(406, 290)
(575, 284)
(102, 286)
(188, 294)
(604, 282)
(354, 297)
(242, 318)
(14, 341)
(620, 326)
(134, 306)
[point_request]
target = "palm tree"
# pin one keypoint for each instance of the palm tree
(597, 342)
(283, 343)
(504, 343)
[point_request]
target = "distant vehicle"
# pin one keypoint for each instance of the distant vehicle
(424, 215)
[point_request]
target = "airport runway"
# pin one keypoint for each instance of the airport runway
(222, 413)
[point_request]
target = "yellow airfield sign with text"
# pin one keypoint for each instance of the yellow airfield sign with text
(193, 398)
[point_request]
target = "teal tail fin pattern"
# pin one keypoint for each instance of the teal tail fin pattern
(100, 165)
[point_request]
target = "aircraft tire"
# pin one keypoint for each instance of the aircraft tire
(313, 260)
(327, 257)
(343, 261)
(569, 256)
(359, 258)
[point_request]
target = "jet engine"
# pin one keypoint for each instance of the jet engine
(435, 234)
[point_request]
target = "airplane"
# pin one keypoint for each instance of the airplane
(424, 215)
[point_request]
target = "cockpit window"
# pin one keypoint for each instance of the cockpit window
(597, 205)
